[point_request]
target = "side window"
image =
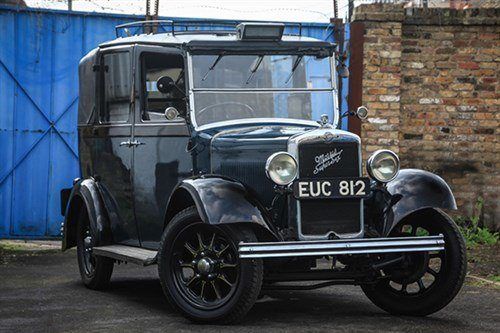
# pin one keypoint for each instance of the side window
(166, 68)
(116, 87)
(86, 90)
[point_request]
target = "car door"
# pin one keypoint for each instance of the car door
(113, 142)
(160, 160)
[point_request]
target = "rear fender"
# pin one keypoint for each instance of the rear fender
(220, 200)
(85, 194)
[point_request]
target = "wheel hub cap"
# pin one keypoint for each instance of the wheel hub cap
(87, 253)
(88, 243)
(204, 265)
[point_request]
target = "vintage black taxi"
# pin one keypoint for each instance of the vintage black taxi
(218, 156)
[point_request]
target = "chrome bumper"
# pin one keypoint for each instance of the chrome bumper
(341, 247)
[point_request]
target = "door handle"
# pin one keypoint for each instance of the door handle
(136, 143)
(126, 143)
(129, 143)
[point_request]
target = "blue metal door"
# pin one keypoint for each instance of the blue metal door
(39, 57)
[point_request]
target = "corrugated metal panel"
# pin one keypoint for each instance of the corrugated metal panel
(39, 56)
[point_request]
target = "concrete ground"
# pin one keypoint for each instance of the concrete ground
(40, 291)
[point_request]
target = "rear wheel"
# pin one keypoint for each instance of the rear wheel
(201, 273)
(95, 270)
(424, 282)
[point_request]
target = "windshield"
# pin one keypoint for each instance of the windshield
(232, 87)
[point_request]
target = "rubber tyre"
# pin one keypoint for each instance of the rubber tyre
(103, 268)
(446, 288)
(249, 285)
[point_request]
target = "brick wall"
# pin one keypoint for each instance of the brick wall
(430, 80)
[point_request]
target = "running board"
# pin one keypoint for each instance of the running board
(341, 247)
(131, 254)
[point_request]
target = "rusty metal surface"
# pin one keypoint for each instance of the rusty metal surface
(355, 73)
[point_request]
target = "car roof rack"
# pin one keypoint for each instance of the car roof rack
(192, 26)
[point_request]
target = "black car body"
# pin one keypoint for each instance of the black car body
(229, 132)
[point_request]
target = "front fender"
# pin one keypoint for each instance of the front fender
(417, 189)
(220, 200)
(85, 194)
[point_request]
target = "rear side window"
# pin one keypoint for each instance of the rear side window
(117, 82)
(86, 99)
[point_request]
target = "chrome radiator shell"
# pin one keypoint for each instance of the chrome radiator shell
(332, 137)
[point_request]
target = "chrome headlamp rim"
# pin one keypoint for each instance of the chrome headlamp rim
(370, 167)
(270, 160)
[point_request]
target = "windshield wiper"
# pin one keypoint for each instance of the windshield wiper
(254, 68)
(212, 66)
(294, 67)
(180, 77)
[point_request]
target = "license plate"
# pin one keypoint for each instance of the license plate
(332, 188)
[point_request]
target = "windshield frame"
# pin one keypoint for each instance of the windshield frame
(333, 89)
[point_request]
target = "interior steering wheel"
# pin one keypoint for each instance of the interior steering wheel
(248, 109)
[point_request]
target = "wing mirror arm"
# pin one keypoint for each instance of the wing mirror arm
(361, 112)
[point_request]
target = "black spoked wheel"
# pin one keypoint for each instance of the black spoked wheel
(201, 273)
(205, 265)
(94, 271)
(424, 282)
(420, 271)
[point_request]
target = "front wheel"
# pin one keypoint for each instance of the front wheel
(424, 282)
(201, 273)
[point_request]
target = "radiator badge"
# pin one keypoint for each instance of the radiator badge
(323, 161)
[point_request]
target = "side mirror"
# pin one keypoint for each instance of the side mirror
(362, 112)
(343, 71)
(165, 84)
(171, 113)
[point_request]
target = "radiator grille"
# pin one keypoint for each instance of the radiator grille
(342, 216)
(348, 165)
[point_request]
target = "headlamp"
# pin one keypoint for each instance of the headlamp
(383, 165)
(281, 168)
